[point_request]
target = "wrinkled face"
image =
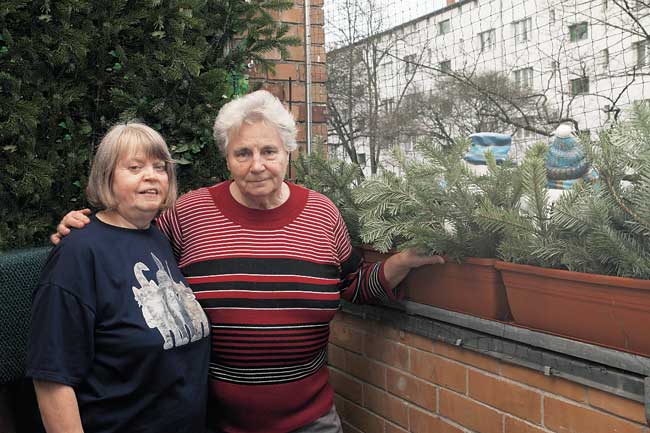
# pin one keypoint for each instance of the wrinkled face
(257, 161)
(140, 186)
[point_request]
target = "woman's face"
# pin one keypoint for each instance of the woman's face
(140, 187)
(257, 161)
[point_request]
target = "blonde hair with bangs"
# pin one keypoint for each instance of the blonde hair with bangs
(124, 140)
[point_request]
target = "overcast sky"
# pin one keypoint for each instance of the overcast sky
(392, 13)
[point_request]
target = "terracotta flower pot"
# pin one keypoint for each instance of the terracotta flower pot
(472, 287)
(604, 310)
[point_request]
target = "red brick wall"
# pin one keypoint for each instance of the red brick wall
(390, 381)
(293, 67)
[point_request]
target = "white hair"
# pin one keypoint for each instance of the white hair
(254, 107)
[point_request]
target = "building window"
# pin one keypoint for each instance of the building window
(522, 29)
(489, 126)
(605, 5)
(642, 53)
(579, 31)
(580, 86)
(525, 133)
(411, 63)
(488, 39)
(551, 16)
(387, 105)
(604, 60)
(444, 66)
(361, 159)
(524, 77)
(444, 27)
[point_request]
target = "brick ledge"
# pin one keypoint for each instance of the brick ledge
(609, 370)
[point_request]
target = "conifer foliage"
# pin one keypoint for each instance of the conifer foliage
(609, 221)
(601, 228)
(336, 179)
(431, 205)
(69, 69)
(526, 227)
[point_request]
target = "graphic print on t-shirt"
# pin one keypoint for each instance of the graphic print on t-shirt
(169, 306)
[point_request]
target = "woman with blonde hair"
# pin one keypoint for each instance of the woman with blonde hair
(118, 342)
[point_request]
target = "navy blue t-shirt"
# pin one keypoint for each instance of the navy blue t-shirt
(113, 318)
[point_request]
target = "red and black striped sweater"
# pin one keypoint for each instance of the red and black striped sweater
(270, 281)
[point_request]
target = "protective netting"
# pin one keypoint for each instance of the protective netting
(514, 66)
(19, 273)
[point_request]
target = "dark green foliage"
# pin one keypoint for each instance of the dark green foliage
(70, 69)
(432, 205)
(337, 180)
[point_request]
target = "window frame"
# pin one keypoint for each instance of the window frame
(579, 86)
(525, 24)
(444, 27)
(491, 39)
(642, 60)
(603, 60)
(575, 35)
(524, 77)
(411, 63)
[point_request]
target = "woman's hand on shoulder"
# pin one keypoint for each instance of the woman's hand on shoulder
(73, 219)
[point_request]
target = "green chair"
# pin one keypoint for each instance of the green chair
(19, 273)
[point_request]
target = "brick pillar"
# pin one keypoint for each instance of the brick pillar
(292, 70)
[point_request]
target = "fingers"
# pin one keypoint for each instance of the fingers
(438, 260)
(73, 219)
(432, 260)
(81, 218)
(55, 238)
(76, 219)
(412, 259)
(62, 230)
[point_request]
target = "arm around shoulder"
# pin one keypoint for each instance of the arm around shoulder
(73, 219)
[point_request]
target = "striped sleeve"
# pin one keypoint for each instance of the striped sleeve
(361, 282)
(168, 223)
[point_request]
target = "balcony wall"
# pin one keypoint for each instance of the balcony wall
(389, 379)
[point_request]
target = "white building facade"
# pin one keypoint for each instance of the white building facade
(582, 61)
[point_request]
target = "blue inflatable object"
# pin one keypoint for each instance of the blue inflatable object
(482, 142)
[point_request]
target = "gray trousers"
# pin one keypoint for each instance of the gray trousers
(328, 423)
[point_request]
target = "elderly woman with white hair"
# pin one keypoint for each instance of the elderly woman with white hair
(269, 261)
(118, 342)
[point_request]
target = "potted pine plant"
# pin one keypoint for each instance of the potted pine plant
(334, 178)
(430, 206)
(580, 268)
